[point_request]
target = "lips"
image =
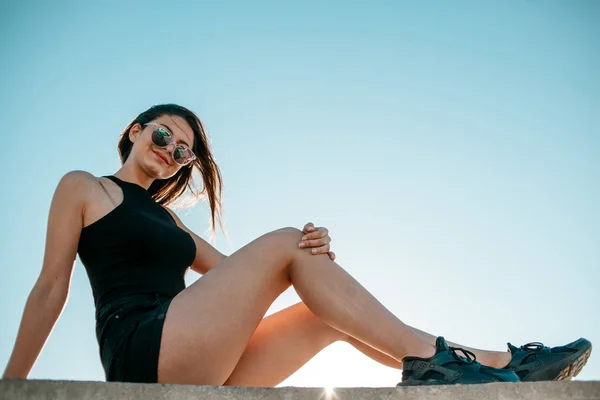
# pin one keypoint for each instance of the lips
(161, 157)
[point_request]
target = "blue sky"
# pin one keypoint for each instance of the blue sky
(451, 148)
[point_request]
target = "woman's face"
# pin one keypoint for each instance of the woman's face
(158, 162)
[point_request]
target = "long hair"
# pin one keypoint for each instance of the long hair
(166, 191)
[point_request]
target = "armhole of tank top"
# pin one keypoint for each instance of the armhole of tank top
(167, 211)
(108, 194)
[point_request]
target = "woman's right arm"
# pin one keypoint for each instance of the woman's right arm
(50, 292)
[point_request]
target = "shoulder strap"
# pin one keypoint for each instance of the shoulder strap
(115, 181)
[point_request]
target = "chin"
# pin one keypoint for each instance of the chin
(163, 173)
(156, 171)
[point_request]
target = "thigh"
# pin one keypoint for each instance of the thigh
(282, 343)
(209, 324)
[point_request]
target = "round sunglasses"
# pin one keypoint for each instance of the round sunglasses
(161, 137)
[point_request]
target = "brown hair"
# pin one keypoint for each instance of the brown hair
(166, 191)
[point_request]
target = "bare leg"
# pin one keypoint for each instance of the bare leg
(210, 323)
(282, 343)
(285, 341)
(343, 303)
(288, 339)
(354, 304)
(496, 359)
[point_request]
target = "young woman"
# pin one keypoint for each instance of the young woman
(151, 328)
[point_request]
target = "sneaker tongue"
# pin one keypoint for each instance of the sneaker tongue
(512, 348)
(441, 345)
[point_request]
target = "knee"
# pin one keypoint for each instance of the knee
(285, 242)
(291, 232)
(287, 239)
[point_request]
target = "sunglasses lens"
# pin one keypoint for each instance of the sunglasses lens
(160, 137)
(181, 155)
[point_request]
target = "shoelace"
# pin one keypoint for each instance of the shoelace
(536, 346)
(467, 358)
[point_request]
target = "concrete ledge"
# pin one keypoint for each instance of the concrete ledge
(69, 390)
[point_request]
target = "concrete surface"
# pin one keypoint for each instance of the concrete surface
(69, 390)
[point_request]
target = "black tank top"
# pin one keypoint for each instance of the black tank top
(137, 248)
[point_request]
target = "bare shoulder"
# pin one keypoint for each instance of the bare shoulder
(78, 184)
(78, 177)
(83, 191)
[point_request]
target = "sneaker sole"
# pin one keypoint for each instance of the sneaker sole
(574, 367)
(430, 382)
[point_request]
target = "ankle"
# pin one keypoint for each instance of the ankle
(505, 358)
(498, 359)
(427, 351)
(431, 350)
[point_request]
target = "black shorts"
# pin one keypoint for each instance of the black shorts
(129, 331)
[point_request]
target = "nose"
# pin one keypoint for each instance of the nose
(170, 148)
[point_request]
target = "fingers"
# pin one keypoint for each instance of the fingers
(321, 250)
(319, 233)
(317, 239)
(315, 242)
(310, 227)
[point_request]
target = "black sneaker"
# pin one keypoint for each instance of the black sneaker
(536, 362)
(446, 367)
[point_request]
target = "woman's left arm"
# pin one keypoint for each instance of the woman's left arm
(207, 256)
